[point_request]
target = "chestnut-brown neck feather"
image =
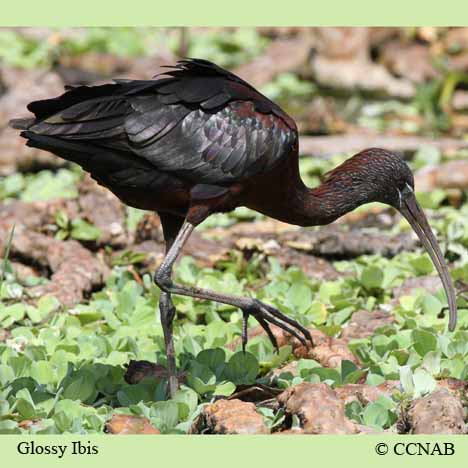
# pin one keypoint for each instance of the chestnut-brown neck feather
(372, 175)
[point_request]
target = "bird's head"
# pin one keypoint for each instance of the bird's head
(382, 176)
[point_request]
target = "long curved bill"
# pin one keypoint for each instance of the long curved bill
(418, 221)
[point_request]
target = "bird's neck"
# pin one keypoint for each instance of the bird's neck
(337, 195)
(320, 205)
(284, 196)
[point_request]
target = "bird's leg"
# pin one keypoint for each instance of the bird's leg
(167, 311)
(265, 314)
(171, 226)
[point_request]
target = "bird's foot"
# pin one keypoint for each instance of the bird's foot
(267, 315)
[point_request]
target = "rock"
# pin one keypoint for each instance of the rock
(331, 353)
(318, 408)
(437, 413)
(4, 334)
(412, 61)
(289, 368)
(456, 387)
(315, 267)
(456, 39)
(326, 350)
(342, 61)
(327, 145)
(312, 266)
(336, 242)
(460, 100)
(449, 175)
(366, 393)
(23, 272)
(75, 271)
(229, 417)
(205, 251)
(149, 228)
(127, 424)
(103, 209)
(24, 86)
(368, 430)
(429, 283)
(283, 55)
(363, 323)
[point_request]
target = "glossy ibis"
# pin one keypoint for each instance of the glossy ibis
(199, 140)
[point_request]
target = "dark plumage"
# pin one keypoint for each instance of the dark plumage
(199, 131)
(201, 140)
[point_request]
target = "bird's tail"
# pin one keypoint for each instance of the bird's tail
(22, 124)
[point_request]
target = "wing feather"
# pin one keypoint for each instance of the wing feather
(202, 124)
(217, 148)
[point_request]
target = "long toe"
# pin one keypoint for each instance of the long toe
(267, 315)
(276, 313)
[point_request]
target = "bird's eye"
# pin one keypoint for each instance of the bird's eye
(403, 193)
(406, 190)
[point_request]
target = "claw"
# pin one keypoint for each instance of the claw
(287, 329)
(288, 320)
(264, 324)
(267, 315)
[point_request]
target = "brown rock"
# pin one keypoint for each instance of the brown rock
(412, 61)
(326, 350)
(456, 387)
(430, 283)
(290, 367)
(75, 271)
(335, 241)
(449, 175)
(437, 413)
(355, 141)
(364, 323)
(229, 417)
(312, 266)
(365, 393)
(318, 408)
(103, 209)
(127, 424)
(460, 100)
(456, 39)
(205, 251)
(36, 215)
(283, 55)
(343, 62)
(23, 272)
(315, 267)
(149, 228)
(368, 430)
(4, 334)
(23, 86)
